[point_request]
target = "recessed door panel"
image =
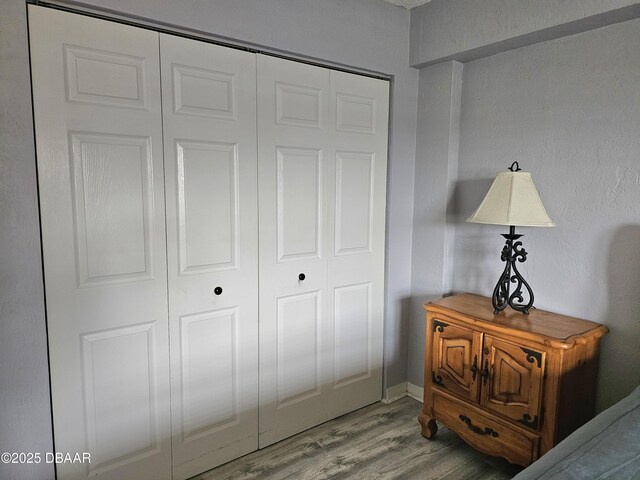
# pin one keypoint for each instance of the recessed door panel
(514, 384)
(212, 251)
(456, 353)
(96, 89)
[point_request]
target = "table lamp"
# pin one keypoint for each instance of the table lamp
(514, 201)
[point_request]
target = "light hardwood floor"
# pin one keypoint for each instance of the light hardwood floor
(376, 442)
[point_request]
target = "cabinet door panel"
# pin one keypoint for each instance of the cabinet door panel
(514, 384)
(456, 353)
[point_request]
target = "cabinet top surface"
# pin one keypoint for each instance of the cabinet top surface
(538, 322)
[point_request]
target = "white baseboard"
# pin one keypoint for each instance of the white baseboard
(414, 391)
(394, 393)
(402, 390)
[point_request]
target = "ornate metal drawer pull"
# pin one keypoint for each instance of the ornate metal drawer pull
(437, 380)
(478, 430)
(474, 367)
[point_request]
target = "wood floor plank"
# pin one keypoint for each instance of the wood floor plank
(376, 442)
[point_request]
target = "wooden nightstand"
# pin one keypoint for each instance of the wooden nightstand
(511, 385)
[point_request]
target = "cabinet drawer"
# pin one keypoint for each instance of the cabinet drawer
(484, 432)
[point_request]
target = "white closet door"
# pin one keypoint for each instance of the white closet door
(356, 231)
(209, 108)
(293, 112)
(322, 187)
(97, 107)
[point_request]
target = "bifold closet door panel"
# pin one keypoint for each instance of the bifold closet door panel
(293, 111)
(209, 115)
(96, 88)
(356, 234)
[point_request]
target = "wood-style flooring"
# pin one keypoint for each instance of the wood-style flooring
(376, 442)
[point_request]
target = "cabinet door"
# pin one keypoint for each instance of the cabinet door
(209, 107)
(455, 359)
(96, 90)
(513, 386)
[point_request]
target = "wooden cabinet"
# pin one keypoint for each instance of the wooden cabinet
(509, 384)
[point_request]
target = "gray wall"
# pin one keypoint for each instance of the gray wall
(25, 418)
(364, 34)
(568, 111)
(435, 178)
(466, 30)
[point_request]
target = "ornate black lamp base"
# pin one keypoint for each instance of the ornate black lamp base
(502, 296)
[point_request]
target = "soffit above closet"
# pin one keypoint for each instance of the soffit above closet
(409, 4)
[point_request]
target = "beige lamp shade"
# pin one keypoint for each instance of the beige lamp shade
(512, 200)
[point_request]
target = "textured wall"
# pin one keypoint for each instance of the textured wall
(465, 30)
(568, 111)
(436, 170)
(25, 419)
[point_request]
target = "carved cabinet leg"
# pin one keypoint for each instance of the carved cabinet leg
(429, 426)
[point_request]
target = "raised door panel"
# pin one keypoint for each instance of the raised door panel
(206, 92)
(97, 109)
(87, 69)
(212, 251)
(352, 320)
(293, 109)
(209, 373)
(357, 171)
(121, 396)
(354, 202)
(209, 182)
(514, 385)
(299, 365)
(113, 207)
(456, 353)
(299, 203)
(298, 105)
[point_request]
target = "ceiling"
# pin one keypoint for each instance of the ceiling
(407, 3)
